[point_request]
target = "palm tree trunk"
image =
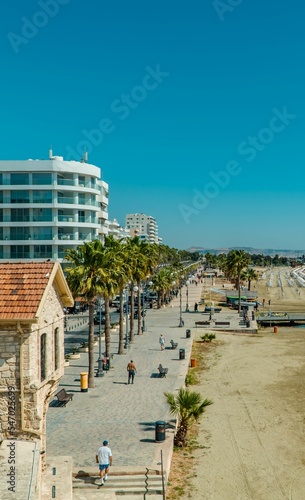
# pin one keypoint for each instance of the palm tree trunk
(121, 333)
(239, 293)
(131, 312)
(159, 299)
(139, 307)
(107, 327)
(91, 383)
(181, 436)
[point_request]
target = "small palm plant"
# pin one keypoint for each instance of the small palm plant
(186, 405)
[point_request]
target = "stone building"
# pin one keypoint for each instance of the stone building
(32, 299)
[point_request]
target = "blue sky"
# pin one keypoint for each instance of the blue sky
(198, 109)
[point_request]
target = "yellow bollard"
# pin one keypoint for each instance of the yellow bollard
(84, 382)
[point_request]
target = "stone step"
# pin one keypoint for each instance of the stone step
(119, 482)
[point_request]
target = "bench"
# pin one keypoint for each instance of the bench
(64, 397)
(162, 371)
(222, 323)
(201, 323)
(174, 344)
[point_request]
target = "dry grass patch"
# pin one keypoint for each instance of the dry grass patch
(183, 461)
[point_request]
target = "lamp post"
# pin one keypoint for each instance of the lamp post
(100, 371)
(143, 312)
(126, 319)
(187, 296)
(181, 322)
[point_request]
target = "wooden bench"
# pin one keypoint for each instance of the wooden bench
(222, 323)
(174, 344)
(201, 323)
(162, 371)
(64, 397)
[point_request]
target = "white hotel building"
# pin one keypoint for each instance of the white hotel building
(144, 226)
(49, 206)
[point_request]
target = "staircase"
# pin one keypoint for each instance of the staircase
(128, 483)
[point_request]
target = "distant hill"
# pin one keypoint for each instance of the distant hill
(266, 251)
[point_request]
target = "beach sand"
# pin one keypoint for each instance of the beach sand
(253, 436)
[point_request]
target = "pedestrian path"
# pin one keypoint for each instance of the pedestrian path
(126, 414)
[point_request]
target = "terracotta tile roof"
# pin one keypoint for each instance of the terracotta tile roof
(21, 288)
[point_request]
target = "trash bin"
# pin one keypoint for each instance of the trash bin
(253, 316)
(193, 362)
(181, 353)
(106, 364)
(275, 329)
(188, 334)
(160, 431)
(248, 323)
(84, 382)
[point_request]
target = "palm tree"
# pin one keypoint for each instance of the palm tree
(117, 247)
(249, 275)
(186, 405)
(85, 278)
(161, 282)
(237, 260)
(131, 255)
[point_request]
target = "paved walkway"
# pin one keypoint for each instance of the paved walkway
(125, 414)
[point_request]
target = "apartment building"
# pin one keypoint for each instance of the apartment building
(144, 226)
(50, 206)
(117, 231)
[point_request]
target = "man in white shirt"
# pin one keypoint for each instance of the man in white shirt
(104, 459)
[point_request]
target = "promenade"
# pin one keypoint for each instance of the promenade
(126, 414)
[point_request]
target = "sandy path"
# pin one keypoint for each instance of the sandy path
(255, 430)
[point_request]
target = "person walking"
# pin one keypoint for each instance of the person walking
(131, 369)
(196, 307)
(162, 342)
(104, 459)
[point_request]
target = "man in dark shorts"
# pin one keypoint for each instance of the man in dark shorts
(131, 369)
(104, 459)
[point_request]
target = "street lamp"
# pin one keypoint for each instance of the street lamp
(181, 322)
(126, 319)
(187, 296)
(100, 371)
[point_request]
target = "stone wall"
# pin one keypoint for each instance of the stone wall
(30, 392)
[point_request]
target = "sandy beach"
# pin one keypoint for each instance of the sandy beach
(253, 436)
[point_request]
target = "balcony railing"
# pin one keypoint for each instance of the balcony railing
(66, 218)
(66, 182)
(66, 199)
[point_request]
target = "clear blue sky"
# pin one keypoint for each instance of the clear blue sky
(182, 91)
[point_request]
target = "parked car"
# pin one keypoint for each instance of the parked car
(97, 318)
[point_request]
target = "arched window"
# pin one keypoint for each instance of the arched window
(43, 357)
(56, 349)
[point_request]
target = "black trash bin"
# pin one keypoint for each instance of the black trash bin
(160, 431)
(188, 334)
(106, 364)
(181, 353)
(253, 315)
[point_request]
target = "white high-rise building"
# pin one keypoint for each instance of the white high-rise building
(144, 226)
(49, 206)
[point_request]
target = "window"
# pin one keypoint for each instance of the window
(42, 251)
(42, 196)
(20, 252)
(1, 214)
(20, 197)
(19, 178)
(56, 349)
(42, 215)
(41, 178)
(20, 215)
(20, 233)
(43, 357)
